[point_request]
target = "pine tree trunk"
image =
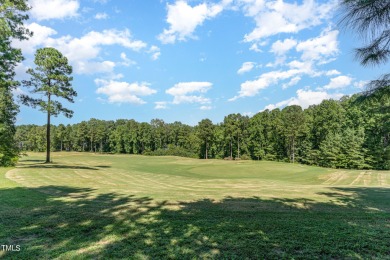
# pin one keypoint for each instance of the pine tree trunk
(238, 146)
(48, 132)
(231, 149)
(206, 150)
(293, 150)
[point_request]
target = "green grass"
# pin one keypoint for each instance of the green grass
(120, 206)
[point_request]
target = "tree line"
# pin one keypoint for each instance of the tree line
(349, 133)
(346, 134)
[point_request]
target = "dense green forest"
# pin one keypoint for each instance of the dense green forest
(352, 132)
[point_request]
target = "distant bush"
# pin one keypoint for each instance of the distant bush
(245, 157)
(270, 157)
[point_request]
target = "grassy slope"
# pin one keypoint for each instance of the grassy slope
(115, 206)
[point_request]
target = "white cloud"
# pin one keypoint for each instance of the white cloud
(246, 67)
(281, 47)
(206, 108)
(315, 51)
(252, 7)
(101, 16)
(126, 61)
(86, 47)
(123, 92)
(292, 82)
(91, 67)
(182, 91)
(332, 73)
(252, 87)
(82, 51)
(184, 88)
(280, 60)
(323, 46)
(155, 52)
(339, 82)
(305, 98)
(41, 35)
(360, 84)
(161, 105)
(274, 17)
(277, 105)
(254, 47)
(53, 9)
(183, 19)
(18, 91)
(20, 71)
(156, 55)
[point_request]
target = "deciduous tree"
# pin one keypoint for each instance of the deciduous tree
(206, 134)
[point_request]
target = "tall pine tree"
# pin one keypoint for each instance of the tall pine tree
(52, 79)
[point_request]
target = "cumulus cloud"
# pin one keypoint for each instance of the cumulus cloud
(274, 17)
(339, 82)
(183, 19)
(252, 87)
(53, 9)
(305, 98)
(246, 67)
(292, 82)
(184, 88)
(313, 51)
(281, 47)
(124, 92)
(205, 107)
(332, 72)
(190, 92)
(82, 52)
(321, 47)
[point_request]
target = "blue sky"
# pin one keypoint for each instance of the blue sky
(189, 60)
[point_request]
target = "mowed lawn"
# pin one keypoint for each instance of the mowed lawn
(120, 206)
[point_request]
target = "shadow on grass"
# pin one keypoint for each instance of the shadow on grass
(376, 199)
(33, 160)
(44, 165)
(66, 222)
